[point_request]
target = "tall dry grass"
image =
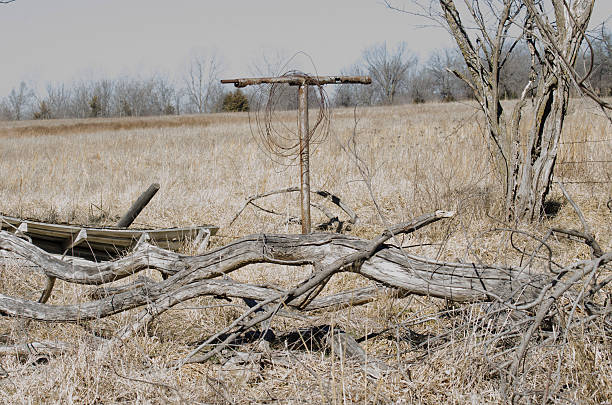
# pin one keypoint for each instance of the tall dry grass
(413, 159)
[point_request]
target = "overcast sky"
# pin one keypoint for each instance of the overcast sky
(62, 40)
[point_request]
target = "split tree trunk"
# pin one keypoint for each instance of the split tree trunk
(525, 164)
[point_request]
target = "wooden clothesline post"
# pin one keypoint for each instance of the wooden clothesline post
(303, 81)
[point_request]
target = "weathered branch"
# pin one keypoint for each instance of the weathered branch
(517, 293)
(587, 235)
(193, 276)
(325, 194)
(34, 348)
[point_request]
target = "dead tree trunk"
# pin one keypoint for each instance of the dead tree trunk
(525, 163)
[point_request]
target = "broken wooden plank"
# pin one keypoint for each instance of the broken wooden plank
(138, 206)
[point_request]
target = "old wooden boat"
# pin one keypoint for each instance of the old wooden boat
(102, 243)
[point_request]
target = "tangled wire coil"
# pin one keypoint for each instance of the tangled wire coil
(272, 134)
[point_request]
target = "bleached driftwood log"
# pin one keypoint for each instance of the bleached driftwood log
(193, 276)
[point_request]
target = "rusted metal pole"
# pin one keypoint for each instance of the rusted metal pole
(304, 133)
(303, 81)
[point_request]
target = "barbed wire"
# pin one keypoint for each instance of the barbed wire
(586, 161)
(277, 140)
(585, 141)
(583, 161)
(587, 182)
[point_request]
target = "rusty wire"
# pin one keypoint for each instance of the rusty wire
(279, 141)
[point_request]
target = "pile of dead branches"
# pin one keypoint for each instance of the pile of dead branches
(522, 307)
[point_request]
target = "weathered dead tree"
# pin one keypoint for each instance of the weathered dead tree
(525, 296)
(526, 164)
(192, 276)
(486, 33)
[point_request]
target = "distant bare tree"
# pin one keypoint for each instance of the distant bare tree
(270, 63)
(515, 72)
(273, 63)
(58, 100)
(104, 89)
(444, 84)
(19, 100)
(135, 97)
(81, 96)
(164, 93)
(390, 69)
(202, 85)
(348, 95)
(601, 76)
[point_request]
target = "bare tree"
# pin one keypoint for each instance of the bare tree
(274, 63)
(515, 72)
(348, 95)
(79, 100)
(444, 84)
(58, 100)
(601, 76)
(104, 89)
(390, 70)
(19, 101)
(164, 93)
(270, 63)
(201, 82)
(486, 32)
(135, 97)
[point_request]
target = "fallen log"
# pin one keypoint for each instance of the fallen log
(193, 276)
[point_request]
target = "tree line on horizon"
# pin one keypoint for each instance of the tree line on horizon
(398, 77)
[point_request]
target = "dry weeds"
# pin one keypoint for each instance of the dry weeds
(418, 158)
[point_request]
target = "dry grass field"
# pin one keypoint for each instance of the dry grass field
(409, 160)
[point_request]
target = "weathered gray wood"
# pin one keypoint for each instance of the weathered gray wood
(202, 240)
(35, 348)
(138, 206)
(72, 242)
(192, 276)
(46, 294)
(22, 228)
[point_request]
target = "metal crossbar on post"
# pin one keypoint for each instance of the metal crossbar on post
(303, 81)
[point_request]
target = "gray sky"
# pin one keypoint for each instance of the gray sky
(62, 40)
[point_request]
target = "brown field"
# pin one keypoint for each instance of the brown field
(411, 160)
